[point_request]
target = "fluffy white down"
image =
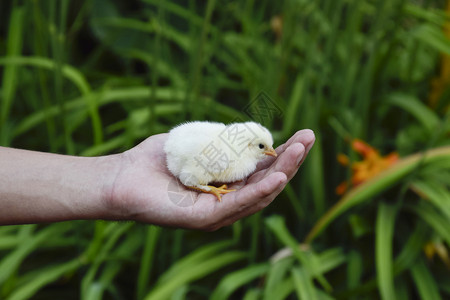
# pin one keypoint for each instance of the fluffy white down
(199, 153)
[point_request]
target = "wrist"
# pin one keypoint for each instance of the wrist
(112, 167)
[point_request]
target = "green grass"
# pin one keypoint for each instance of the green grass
(95, 77)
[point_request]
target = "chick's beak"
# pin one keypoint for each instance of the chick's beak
(271, 152)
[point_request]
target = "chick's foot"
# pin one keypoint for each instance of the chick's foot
(216, 191)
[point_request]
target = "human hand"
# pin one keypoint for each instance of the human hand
(143, 188)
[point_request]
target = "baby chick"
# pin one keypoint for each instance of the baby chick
(200, 153)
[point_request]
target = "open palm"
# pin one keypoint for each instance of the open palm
(144, 190)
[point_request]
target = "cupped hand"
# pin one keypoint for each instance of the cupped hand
(144, 190)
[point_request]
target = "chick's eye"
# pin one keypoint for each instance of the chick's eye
(261, 146)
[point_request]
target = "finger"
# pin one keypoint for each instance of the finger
(288, 163)
(260, 195)
(242, 202)
(251, 193)
(305, 137)
(290, 160)
(234, 206)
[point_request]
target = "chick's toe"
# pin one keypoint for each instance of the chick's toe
(216, 191)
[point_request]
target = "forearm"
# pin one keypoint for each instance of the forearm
(41, 187)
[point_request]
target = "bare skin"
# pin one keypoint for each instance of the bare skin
(41, 187)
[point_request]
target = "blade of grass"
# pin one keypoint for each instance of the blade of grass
(434, 37)
(412, 249)
(276, 275)
(234, 280)
(278, 227)
(119, 257)
(303, 284)
(435, 193)
(178, 10)
(354, 269)
(424, 282)
(148, 255)
(315, 169)
(180, 293)
(42, 278)
(436, 220)
(40, 49)
(68, 71)
(384, 250)
(171, 102)
(193, 272)
(9, 83)
(293, 199)
(252, 294)
(420, 111)
(331, 259)
(292, 111)
(200, 58)
(56, 30)
(430, 15)
(73, 75)
(167, 31)
(194, 258)
(376, 185)
(100, 249)
(11, 262)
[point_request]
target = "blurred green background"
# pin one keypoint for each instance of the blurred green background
(95, 77)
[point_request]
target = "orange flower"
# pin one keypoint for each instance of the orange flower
(371, 165)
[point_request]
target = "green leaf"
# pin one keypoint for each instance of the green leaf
(69, 72)
(435, 193)
(72, 74)
(10, 79)
(303, 284)
(101, 247)
(420, 111)
(354, 269)
(424, 281)
(44, 276)
(11, 262)
(195, 266)
(277, 284)
(316, 170)
(293, 106)
(430, 15)
(180, 293)
(193, 272)
(195, 257)
(436, 220)
(111, 267)
(252, 294)
(434, 37)
(412, 248)
(378, 184)
(171, 102)
(384, 250)
(308, 260)
(232, 281)
(147, 260)
(331, 259)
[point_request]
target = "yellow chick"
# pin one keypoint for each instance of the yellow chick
(199, 153)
